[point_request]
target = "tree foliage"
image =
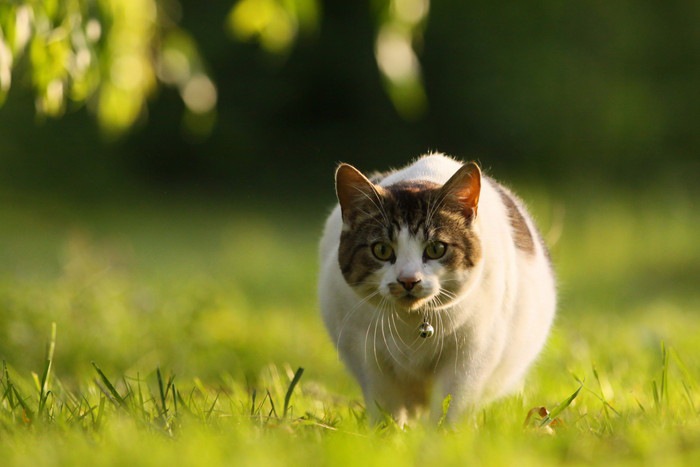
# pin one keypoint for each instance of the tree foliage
(107, 55)
(545, 89)
(111, 55)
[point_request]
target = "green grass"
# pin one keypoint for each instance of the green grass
(179, 331)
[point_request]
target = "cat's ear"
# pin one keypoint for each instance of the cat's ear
(465, 187)
(354, 189)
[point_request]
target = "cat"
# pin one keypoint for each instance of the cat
(434, 282)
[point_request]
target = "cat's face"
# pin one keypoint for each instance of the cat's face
(411, 245)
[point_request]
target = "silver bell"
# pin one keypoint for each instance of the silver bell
(426, 330)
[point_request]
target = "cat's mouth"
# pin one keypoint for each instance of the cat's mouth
(411, 302)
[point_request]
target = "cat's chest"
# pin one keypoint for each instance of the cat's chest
(397, 344)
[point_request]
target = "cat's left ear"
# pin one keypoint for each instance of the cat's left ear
(465, 187)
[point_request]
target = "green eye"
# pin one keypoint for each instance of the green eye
(435, 250)
(382, 251)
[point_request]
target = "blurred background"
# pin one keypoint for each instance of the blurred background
(166, 165)
(549, 91)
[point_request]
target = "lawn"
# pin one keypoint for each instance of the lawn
(171, 332)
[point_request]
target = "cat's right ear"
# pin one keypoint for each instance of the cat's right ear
(465, 187)
(354, 189)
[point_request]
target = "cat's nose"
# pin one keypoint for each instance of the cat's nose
(408, 282)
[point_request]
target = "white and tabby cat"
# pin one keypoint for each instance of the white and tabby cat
(438, 247)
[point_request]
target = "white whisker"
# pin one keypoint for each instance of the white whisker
(369, 327)
(376, 202)
(388, 347)
(350, 313)
(454, 335)
(393, 320)
(442, 339)
(374, 342)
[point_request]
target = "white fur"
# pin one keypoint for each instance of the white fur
(485, 338)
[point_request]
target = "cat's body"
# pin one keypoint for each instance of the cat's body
(433, 242)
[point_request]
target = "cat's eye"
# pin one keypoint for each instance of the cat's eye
(435, 250)
(382, 251)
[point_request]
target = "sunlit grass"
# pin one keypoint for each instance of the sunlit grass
(179, 331)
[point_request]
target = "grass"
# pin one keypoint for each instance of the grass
(175, 334)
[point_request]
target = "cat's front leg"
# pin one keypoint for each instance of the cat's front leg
(464, 390)
(386, 395)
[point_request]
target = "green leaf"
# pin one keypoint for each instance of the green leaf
(290, 389)
(560, 408)
(116, 397)
(445, 408)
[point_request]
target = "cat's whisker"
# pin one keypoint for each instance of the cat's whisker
(432, 314)
(372, 218)
(437, 303)
(374, 341)
(342, 327)
(448, 280)
(386, 343)
(403, 321)
(449, 295)
(446, 294)
(425, 312)
(438, 339)
(454, 335)
(443, 335)
(379, 206)
(393, 320)
(441, 199)
(350, 314)
(453, 326)
(417, 339)
(369, 328)
(432, 208)
(399, 361)
(394, 330)
(429, 210)
(440, 344)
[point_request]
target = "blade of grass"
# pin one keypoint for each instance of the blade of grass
(290, 389)
(660, 391)
(664, 373)
(272, 404)
(116, 397)
(100, 413)
(162, 392)
(182, 403)
(253, 396)
(44, 387)
(213, 406)
(445, 408)
(560, 408)
(607, 407)
(8, 384)
(655, 394)
(11, 393)
(140, 391)
(175, 394)
(686, 379)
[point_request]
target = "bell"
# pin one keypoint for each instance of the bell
(426, 330)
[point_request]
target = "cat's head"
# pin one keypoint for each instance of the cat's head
(412, 244)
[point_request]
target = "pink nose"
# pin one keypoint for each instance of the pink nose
(408, 282)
